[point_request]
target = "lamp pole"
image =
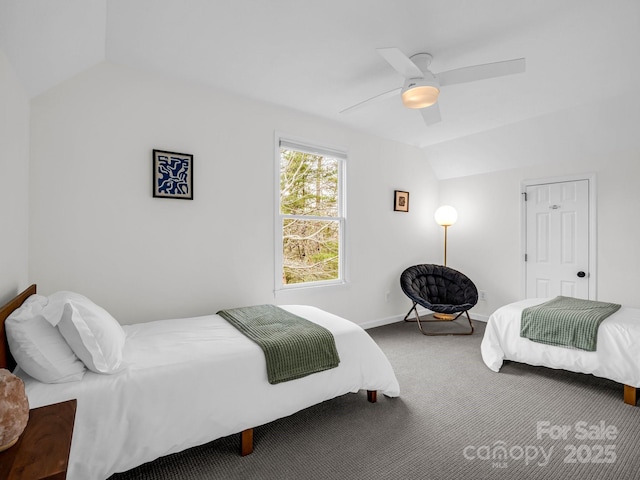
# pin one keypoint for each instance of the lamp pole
(445, 244)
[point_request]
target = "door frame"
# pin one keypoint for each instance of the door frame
(591, 179)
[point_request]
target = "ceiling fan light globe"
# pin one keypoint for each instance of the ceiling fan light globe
(420, 92)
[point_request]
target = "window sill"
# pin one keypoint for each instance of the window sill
(310, 286)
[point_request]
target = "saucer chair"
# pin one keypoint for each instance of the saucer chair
(440, 289)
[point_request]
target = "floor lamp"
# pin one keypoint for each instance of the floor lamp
(445, 216)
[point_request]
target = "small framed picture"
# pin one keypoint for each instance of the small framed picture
(401, 201)
(172, 175)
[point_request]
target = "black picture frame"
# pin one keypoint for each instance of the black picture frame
(400, 201)
(172, 175)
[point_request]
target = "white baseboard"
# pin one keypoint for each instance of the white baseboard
(480, 317)
(421, 311)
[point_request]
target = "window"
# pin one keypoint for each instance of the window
(310, 221)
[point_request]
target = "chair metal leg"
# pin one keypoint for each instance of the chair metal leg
(409, 313)
(419, 322)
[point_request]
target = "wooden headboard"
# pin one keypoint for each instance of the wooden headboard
(6, 360)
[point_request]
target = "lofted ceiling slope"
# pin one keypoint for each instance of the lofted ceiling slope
(320, 57)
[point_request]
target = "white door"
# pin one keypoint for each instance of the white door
(557, 239)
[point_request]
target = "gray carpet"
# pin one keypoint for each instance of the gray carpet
(453, 420)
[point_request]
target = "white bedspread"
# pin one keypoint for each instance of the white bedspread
(190, 381)
(617, 356)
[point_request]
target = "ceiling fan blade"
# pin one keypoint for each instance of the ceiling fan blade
(431, 115)
(382, 96)
(400, 62)
(481, 72)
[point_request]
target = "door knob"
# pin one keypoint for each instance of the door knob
(581, 274)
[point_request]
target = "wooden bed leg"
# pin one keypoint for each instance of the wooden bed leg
(246, 442)
(372, 395)
(630, 395)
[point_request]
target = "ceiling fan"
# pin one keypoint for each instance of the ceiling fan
(422, 87)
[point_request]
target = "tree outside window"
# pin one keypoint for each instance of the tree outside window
(310, 213)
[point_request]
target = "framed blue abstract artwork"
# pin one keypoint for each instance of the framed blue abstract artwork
(172, 175)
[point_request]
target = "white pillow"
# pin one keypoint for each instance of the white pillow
(39, 348)
(93, 334)
(53, 310)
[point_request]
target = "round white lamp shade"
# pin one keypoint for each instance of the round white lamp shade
(446, 216)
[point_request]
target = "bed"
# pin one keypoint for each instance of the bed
(617, 356)
(186, 382)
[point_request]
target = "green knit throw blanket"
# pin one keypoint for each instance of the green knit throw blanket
(293, 346)
(566, 322)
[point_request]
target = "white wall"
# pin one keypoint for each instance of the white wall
(486, 242)
(96, 229)
(14, 178)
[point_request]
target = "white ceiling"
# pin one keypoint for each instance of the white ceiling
(320, 57)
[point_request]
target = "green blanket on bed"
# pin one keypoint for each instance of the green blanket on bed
(293, 346)
(566, 322)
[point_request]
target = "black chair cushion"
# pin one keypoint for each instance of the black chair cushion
(440, 289)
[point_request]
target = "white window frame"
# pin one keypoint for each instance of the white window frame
(334, 152)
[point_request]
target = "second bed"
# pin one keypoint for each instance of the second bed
(617, 356)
